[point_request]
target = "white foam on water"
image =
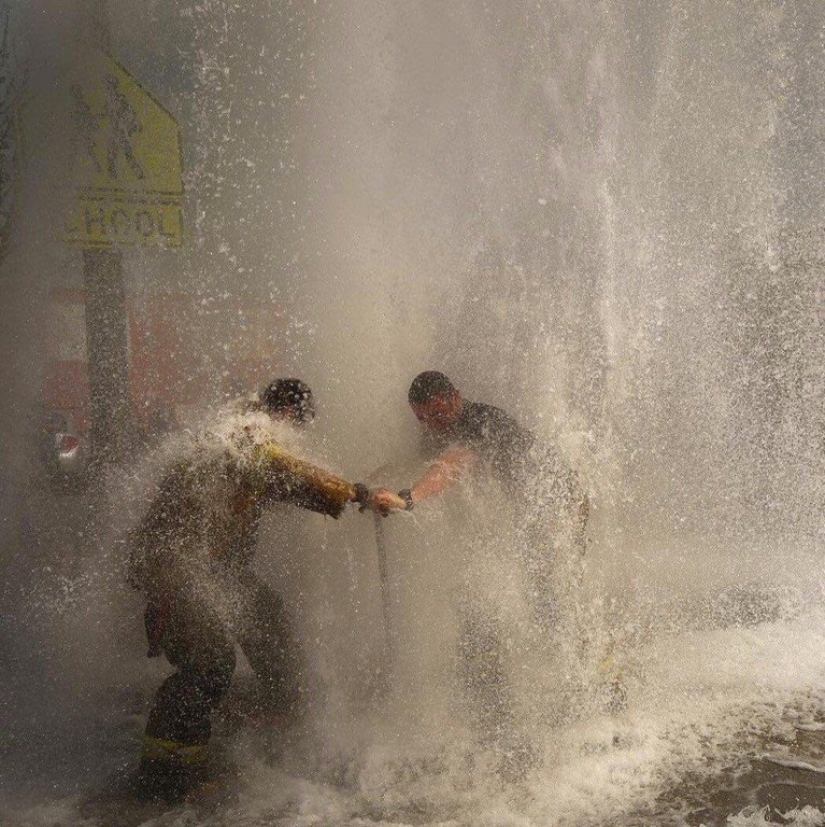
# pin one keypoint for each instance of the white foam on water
(694, 714)
(698, 703)
(794, 765)
(522, 202)
(757, 817)
(706, 691)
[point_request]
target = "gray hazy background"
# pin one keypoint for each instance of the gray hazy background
(606, 218)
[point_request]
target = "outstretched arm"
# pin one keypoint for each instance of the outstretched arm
(306, 485)
(449, 467)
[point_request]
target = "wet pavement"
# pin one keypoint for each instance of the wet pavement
(771, 781)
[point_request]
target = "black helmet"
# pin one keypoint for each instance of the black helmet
(288, 394)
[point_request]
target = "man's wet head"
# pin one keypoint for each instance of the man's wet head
(288, 399)
(435, 401)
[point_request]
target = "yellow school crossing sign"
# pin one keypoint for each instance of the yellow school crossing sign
(127, 153)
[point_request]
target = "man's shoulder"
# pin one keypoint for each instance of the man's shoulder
(250, 433)
(481, 416)
(478, 412)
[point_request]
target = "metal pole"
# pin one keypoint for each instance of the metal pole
(99, 14)
(106, 327)
(106, 346)
(389, 638)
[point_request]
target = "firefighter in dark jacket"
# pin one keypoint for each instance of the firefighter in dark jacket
(468, 436)
(552, 510)
(191, 556)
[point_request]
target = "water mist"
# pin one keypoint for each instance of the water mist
(602, 218)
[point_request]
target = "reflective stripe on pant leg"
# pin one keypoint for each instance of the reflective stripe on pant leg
(159, 749)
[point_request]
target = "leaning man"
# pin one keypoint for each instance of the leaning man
(465, 437)
(192, 555)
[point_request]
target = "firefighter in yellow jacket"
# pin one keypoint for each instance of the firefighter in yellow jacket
(191, 556)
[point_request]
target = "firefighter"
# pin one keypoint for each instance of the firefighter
(465, 436)
(191, 556)
(461, 437)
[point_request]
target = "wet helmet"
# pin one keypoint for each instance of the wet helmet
(292, 395)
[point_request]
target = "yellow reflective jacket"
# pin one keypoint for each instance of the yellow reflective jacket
(206, 512)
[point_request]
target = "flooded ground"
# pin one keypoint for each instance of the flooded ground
(723, 723)
(605, 218)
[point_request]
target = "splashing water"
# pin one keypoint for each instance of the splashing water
(601, 218)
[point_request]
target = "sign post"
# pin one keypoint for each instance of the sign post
(110, 422)
(129, 192)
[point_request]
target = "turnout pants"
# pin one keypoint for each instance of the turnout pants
(198, 641)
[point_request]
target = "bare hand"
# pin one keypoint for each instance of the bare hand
(382, 501)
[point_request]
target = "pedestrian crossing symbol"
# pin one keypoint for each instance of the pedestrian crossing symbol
(127, 161)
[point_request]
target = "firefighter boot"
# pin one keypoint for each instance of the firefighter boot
(170, 771)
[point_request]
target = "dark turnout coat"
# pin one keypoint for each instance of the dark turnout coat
(191, 557)
(205, 515)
